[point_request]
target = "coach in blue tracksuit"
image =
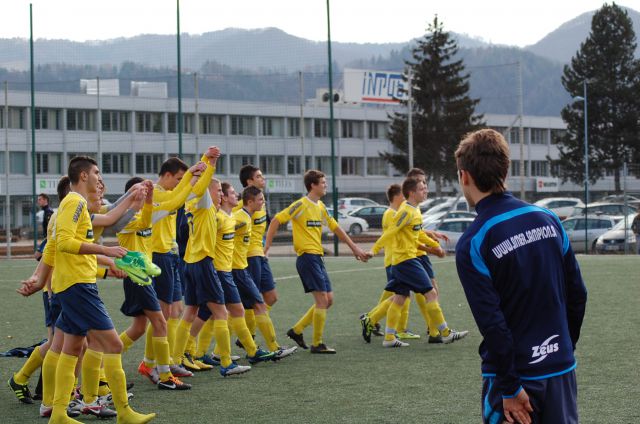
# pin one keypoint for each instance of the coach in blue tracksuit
(525, 291)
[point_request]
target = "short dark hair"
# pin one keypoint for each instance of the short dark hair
(173, 166)
(409, 185)
(132, 181)
(246, 173)
(392, 191)
(64, 187)
(250, 193)
(44, 196)
(225, 186)
(312, 176)
(415, 172)
(484, 154)
(78, 165)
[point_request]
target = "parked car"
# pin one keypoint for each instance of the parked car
(350, 224)
(619, 198)
(431, 221)
(348, 204)
(431, 202)
(371, 214)
(561, 206)
(596, 226)
(453, 228)
(614, 240)
(614, 210)
(452, 204)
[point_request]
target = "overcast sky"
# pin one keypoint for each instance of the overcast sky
(510, 22)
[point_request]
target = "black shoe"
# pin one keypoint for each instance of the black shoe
(298, 338)
(173, 383)
(20, 390)
(377, 330)
(322, 348)
(435, 340)
(367, 328)
(38, 393)
(239, 344)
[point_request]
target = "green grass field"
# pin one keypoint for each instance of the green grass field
(362, 383)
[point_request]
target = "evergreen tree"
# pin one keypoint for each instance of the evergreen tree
(442, 109)
(606, 62)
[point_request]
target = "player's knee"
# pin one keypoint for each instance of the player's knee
(431, 296)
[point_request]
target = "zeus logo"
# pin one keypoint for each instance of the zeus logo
(544, 349)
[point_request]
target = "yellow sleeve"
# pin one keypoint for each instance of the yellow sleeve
(184, 184)
(49, 254)
(331, 222)
(426, 240)
(204, 181)
(66, 225)
(289, 212)
(399, 220)
(175, 199)
(142, 221)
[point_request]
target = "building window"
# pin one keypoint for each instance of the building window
(514, 136)
(266, 127)
(323, 164)
(539, 168)
(116, 163)
(272, 165)
(538, 136)
(188, 158)
(48, 163)
(212, 124)
(377, 130)
(148, 163)
(242, 125)
(376, 166)
(351, 129)
(238, 161)
(16, 118)
(18, 162)
(81, 120)
(115, 120)
(352, 166)
(221, 165)
(515, 168)
(321, 128)
(294, 127)
(148, 122)
(76, 154)
(47, 119)
(187, 123)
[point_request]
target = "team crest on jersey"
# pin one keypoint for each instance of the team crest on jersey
(417, 227)
(90, 233)
(144, 233)
(246, 239)
(228, 236)
(314, 223)
(260, 220)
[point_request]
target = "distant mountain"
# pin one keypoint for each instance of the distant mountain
(267, 48)
(563, 43)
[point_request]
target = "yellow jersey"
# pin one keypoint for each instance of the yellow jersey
(226, 226)
(241, 239)
(404, 233)
(258, 228)
(136, 235)
(387, 217)
(73, 227)
(49, 252)
(201, 217)
(307, 218)
(163, 234)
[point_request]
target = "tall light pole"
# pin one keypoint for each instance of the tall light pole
(583, 99)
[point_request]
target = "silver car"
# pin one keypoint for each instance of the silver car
(614, 240)
(596, 225)
(453, 228)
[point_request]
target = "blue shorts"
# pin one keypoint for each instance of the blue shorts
(389, 271)
(47, 309)
(261, 273)
(231, 294)
(249, 293)
(313, 273)
(202, 285)
(138, 299)
(82, 310)
(204, 313)
(409, 276)
(54, 309)
(182, 265)
(554, 400)
(428, 266)
(167, 284)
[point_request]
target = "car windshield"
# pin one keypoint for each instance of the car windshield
(620, 225)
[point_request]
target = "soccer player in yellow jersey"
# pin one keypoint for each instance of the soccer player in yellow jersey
(253, 201)
(308, 215)
(408, 273)
(203, 288)
(434, 333)
(82, 309)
